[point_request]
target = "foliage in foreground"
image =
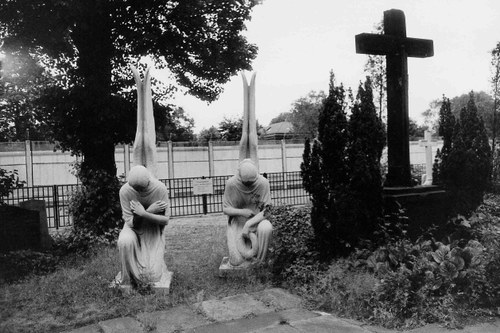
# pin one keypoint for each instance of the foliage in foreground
(396, 282)
(95, 208)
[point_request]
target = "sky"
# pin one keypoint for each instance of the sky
(301, 41)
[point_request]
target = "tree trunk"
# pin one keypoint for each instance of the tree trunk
(92, 37)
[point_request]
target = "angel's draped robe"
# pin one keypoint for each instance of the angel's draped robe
(142, 243)
(253, 197)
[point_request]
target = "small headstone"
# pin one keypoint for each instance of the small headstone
(39, 205)
(19, 229)
(428, 144)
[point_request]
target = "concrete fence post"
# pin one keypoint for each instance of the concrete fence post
(284, 167)
(170, 156)
(211, 166)
(28, 158)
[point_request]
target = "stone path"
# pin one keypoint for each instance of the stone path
(268, 311)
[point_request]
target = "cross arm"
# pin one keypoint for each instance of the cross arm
(391, 45)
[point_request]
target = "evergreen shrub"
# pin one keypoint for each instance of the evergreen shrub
(464, 164)
(341, 171)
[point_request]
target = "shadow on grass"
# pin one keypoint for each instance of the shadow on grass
(77, 293)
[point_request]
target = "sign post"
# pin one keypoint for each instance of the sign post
(203, 186)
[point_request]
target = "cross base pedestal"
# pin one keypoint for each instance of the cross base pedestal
(424, 205)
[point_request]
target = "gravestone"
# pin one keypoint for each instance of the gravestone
(424, 205)
(397, 48)
(39, 205)
(19, 229)
(427, 143)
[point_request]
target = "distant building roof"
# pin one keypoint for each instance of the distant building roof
(277, 131)
(283, 127)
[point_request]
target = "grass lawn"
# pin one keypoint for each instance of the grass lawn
(77, 293)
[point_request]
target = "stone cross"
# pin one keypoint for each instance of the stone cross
(428, 144)
(397, 48)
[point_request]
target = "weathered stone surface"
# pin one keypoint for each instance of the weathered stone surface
(226, 270)
(19, 229)
(121, 325)
(162, 286)
(46, 241)
(233, 307)
(174, 320)
(397, 48)
(87, 329)
(277, 298)
(279, 328)
(327, 324)
(257, 323)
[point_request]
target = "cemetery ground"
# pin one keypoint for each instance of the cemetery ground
(375, 286)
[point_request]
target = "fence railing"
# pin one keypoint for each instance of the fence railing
(285, 188)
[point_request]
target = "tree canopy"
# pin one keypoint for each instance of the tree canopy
(88, 46)
(484, 103)
(22, 81)
(91, 43)
(304, 114)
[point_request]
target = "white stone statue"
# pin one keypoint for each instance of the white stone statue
(145, 205)
(245, 196)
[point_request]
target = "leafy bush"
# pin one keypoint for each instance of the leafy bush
(93, 221)
(293, 238)
(340, 288)
(395, 282)
(8, 181)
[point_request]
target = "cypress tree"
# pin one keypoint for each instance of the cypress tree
(446, 127)
(466, 168)
(366, 142)
(341, 171)
(324, 170)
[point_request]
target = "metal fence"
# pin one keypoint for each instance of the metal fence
(285, 188)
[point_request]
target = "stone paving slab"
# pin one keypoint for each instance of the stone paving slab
(121, 325)
(232, 307)
(87, 329)
(177, 319)
(262, 321)
(278, 328)
(327, 324)
(278, 298)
